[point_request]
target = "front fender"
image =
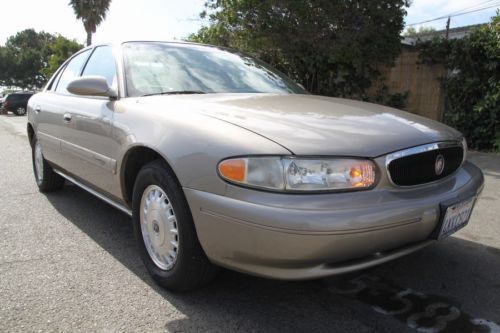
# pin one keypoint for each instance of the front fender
(190, 142)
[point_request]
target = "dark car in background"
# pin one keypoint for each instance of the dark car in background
(17, 102)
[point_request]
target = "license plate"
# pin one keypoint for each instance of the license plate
(456, 217)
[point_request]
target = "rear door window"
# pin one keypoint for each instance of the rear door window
(13, 98)
(52, 86)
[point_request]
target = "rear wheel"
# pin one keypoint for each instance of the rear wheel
(46, 179)
(165, 231)
(20, 111)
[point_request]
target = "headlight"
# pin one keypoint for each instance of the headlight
(299, 174)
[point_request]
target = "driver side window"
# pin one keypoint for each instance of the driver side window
(102, 63)
(72, 70)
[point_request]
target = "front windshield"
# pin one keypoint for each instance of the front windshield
(155, 68)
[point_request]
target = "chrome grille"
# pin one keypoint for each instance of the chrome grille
(424, 164)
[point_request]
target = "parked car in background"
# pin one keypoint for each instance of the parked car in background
(1, 102)
(223, 161)
(17, 102)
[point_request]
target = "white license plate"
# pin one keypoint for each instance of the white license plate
(456, 217)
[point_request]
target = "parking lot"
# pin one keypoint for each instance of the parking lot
(68, 263)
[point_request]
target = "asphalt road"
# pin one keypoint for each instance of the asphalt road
(68, 263)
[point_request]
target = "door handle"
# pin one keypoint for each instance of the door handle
(38, 109)
(67, 117)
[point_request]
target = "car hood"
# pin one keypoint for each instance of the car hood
(315, 125)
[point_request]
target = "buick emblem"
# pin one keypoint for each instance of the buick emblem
(439, 165)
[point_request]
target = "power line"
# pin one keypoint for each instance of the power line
(471, 7)
(458, 13)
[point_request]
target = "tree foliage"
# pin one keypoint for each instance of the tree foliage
(331, 47)
(26, 60)
(61, 49)
(473, 85)
(92, 13)
(22, 57)
(413, 32)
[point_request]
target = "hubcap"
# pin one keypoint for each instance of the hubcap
(38, 162)
(159, 227)
(21, 111)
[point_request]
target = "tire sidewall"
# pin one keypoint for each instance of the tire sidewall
(35, 171)
(154, 175)
(50, 181)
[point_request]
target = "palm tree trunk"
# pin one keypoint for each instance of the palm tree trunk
(89, 38)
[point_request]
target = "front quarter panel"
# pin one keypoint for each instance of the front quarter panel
(193, 144)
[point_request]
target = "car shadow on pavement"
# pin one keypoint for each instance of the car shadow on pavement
(463, 271)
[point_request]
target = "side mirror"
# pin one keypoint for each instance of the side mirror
(91, 86)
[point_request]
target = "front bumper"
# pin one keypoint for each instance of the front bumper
(288, 236)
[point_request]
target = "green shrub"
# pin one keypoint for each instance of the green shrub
(331, 47)
(472, 86)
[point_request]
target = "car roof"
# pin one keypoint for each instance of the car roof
(20, 93)
(121, 42)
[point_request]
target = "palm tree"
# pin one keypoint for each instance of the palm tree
(91, 12)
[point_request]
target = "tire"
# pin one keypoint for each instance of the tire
(20, 111)
(157, 192)
(46, 179)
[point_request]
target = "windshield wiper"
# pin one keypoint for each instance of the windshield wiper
(176, 92)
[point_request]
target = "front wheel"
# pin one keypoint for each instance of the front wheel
(46, 179)
(20, 111)
(165, 231)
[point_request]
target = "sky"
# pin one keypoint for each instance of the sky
(175, 19)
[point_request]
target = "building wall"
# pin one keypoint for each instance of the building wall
(426, 96)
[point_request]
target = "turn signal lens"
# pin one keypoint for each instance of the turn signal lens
(233, 169)
(264, 172)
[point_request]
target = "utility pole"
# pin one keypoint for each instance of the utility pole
(448, 27)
